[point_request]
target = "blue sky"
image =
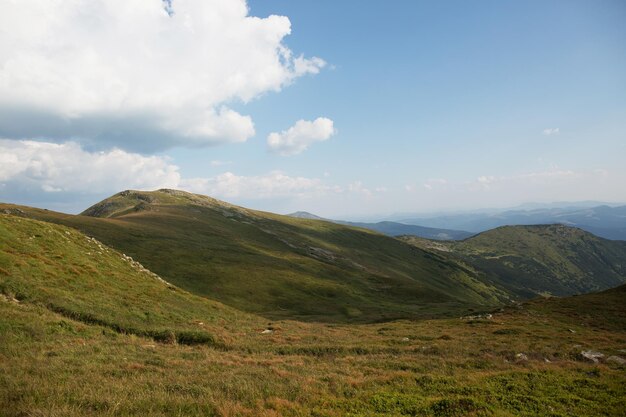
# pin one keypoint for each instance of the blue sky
(435, 106)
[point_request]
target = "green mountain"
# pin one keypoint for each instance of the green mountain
(536, 260)
(84, 330)
(278, 266)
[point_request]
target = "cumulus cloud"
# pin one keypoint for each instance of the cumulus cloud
(68, 168)
(551, 131)
(300, 136)
(139, 74)
(272, 185)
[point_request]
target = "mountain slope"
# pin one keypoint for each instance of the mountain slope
(78, 277)
(604, 221)
(523, 360)
(275, 265)
(533, 260)
(400, 229)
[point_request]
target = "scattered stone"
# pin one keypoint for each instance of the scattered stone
(591, 355)
(405, 339)
(617, 360)
(267, 331)
(521, 357)
(478, 316)
(9, 298)
(200, 323)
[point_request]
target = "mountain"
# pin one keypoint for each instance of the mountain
(394, 228)
(604, 221)
(84, 330)
(306, 215)
(278, 266)
(536, 260)
(400, 229)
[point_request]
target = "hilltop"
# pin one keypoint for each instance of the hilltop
(278, 266)
(539, 260)
(600, 219)
(307, 269)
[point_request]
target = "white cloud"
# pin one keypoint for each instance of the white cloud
(218, 163)
(131, 75)
(551, 131)
(272, 185)
(358, 188)
(300, 136)
(434, 182)
(67, 167)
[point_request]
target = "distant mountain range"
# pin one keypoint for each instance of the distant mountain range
(604, 221)
(395, 228)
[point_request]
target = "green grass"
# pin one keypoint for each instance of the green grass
(56, 362)
(279, 266)
(528, 261)
(79, 278)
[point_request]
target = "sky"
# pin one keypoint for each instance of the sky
(345, 109)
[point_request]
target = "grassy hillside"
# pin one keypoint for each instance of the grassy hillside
(80, 334)
(278, 266)
(533, 260)
(80, 278)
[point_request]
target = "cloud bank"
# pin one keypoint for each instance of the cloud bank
(138, 74)
(300, 136)
(68, 168)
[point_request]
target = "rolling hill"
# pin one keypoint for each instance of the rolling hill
(84, 330)
(80, 278)
(307, 269)
(536, 260)
(603, 220)
(278, 266)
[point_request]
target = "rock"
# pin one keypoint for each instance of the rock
(572, 331)
(591, 355)
(546, 360)
(405, 339)
(521, 357)
(267, 331)
(617, 360)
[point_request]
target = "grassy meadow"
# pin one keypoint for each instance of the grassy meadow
(83, 331)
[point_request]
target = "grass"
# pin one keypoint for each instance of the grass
(55, 362)
(277, 266)
(528, 261)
